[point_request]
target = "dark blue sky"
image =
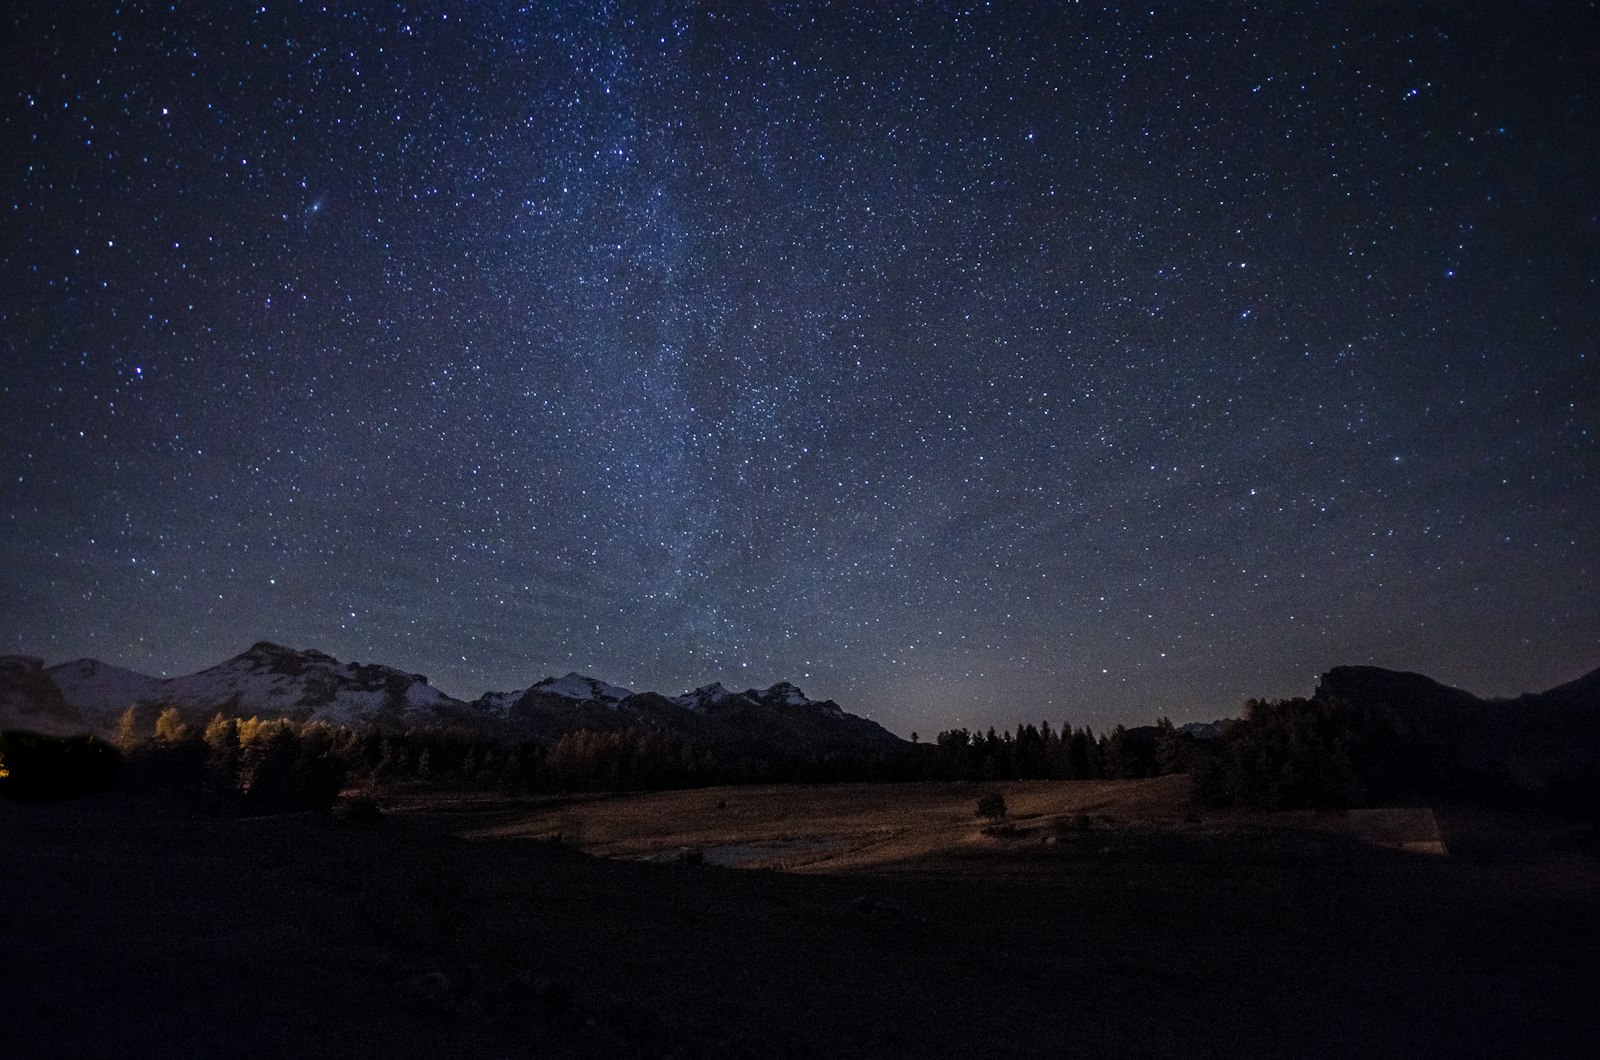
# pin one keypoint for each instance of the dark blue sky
(968, 365)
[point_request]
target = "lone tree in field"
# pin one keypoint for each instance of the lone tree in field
(992, 806)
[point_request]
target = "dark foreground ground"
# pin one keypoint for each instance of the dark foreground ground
(129, 930)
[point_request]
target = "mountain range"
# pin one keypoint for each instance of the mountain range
(272, 681)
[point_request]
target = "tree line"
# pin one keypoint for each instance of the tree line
(1045, 753)
(277, 765)
(281, 765)
(1284, 754)
(1329, 754)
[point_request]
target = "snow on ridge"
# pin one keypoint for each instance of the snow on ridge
(704, 696)
(782, 694)
(273, 681)
(786, 693)
(90, 684)
(582, 688)
(268, 679)
(422, 696)
(499, 702)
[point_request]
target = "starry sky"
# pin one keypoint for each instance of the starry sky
(968, 364)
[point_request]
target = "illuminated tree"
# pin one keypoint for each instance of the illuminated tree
(128, 730)
(170, 727)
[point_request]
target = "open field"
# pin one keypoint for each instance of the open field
(445, 929)
(932, 827)
(845, 827)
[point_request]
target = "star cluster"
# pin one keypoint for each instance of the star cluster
(964, 363)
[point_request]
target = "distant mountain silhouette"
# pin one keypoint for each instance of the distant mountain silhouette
(1412, 692)
(1583, 693)
(1530, 734)
(1396, 688)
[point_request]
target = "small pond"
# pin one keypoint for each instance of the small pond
(744, 855)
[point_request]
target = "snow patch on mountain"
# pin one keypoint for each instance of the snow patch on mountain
(270, 680)
(582, 687)
(704, 696)
(781, 693)
(498, 703)
(99, 688)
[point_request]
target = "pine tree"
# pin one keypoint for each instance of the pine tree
(1114, 750)
(223, 757)
(1169, 747)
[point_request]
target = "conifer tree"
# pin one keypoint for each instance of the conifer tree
(1169, 747)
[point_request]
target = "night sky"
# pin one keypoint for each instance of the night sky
(965, 364)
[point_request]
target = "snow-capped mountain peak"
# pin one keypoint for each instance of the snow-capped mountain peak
(783, 693)
(581, 687)
(704, 696)
(269, 680)
(101, 688)
(272, 680)
(499, 703)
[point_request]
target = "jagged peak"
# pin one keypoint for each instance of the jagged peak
(272, 649)
(785, 692)
(581, 687)
(705, 696)
(266, 651)
(782, 694)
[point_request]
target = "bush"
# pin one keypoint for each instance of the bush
(992, 806)
(360, 809)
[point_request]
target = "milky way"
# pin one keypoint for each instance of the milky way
(965, 364)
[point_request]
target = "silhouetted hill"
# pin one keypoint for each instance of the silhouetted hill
(1529, 735)
(1400, 689)
(1583, 693)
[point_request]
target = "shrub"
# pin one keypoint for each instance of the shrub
(361, 809)
(992, 806)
